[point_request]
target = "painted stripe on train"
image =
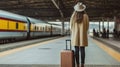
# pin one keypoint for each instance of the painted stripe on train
(12, 34)
(39, 33)
(13, 20)
(3, 30)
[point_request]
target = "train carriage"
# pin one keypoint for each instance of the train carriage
(56, 29)
(38, 28)
(18, 27)
(12, 26)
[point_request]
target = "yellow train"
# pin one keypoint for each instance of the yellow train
(17, 27)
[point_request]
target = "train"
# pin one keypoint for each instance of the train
(18, 27)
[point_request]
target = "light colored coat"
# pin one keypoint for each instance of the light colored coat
(79, 31)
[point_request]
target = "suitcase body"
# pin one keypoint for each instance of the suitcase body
(67, 57)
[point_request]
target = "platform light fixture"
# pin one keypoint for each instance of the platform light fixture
(57, 20)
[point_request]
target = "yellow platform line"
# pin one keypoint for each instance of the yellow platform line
(109, 50)
(5, 53)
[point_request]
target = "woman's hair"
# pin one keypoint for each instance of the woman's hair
(79, 16)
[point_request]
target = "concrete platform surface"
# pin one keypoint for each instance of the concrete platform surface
(48, 53)
(9, 46)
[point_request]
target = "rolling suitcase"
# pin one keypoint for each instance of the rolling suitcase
(67, 57)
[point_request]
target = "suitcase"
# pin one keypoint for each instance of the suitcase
(67, 57)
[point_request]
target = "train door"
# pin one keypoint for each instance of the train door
(28, 28)
(51, 32)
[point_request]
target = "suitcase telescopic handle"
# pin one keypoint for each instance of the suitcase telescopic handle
(70, 44)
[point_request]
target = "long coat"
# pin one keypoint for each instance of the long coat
(79, 30)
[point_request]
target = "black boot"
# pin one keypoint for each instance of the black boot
(82, 65)
(77, 65)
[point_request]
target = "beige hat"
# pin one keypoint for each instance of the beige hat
(79, 7)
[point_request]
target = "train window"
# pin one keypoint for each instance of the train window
(49, 29)
(24, 28)
(35, 28)
(43, 29)
(8, 24)
(16, 25)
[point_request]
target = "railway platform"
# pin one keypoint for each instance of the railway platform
(110, 42)
(12, 45)
(47, 54)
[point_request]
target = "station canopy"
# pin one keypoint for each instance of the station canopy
(59, 10)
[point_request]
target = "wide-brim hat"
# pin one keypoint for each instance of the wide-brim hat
(79, 7)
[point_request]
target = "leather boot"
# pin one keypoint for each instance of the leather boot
(77, 65)
(82, 65)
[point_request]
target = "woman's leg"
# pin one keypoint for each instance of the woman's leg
(82, 49)
(77, 55)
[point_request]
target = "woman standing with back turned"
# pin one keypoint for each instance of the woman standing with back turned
(79, 24)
